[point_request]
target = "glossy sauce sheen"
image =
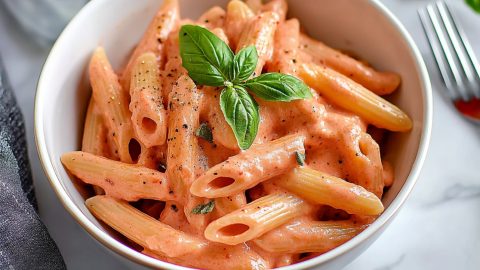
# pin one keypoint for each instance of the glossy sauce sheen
(282, 226)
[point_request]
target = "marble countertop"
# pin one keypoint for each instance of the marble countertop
(438, 227)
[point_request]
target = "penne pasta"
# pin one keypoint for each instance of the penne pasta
(221, 34)
(280, 7)
(182, 143)
(321, 188)
(225, 205)
(260, 33)
(174, 217)
(353, 97)
(148, 114)
(381, 83)
(304, 235)
(213, 18)
(238, 15)
(255, 5)
(388, 176)
(249, 168)
(284, 59)
(173, 68)
(371, 177)
(144, 230)
(255, 219)
(95, 136)
(153, 158)
(286, 260)
(183, 154)
(94, 132)
(113, 103)
(164, 22)
(312, 179)
(198, 221)
(240, 257)
(120, 180)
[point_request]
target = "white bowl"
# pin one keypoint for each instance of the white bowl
(363, 26)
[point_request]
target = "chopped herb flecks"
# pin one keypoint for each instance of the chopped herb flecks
(204, 208)
(204, 132)
(300, 158)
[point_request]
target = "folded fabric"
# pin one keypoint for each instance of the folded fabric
(24, 240)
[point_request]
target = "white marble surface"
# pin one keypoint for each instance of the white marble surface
(438, 228)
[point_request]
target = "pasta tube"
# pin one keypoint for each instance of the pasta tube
(94, 132)
(371, 177)
(153, 158)
(247, 169)
(284, 58)
(255, 219)
(381, 83)
(353, 97)
(304, 235)
(120, 180)
(183, 119)
(321, 188)
(94, 136)
(221, 35)
(225, 205)
(183, 154)
(154, 38)
(280, 7)
(112, 102)
(255, 5)
(217, 256)
(213, 18)
(387, 175)
(260, 33)
(143, 229)
(148, 114)
(237, 17)
(198, 221)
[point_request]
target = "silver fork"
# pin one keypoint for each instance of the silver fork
(455, 57)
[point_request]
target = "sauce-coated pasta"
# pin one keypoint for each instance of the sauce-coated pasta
(168, 173)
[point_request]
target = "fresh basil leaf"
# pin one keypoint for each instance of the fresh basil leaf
(205, 56)
(241, 112)
(300, 157)
(204, 208)
(204, 132)
(244, 64)
(278, 87)
(474, 4)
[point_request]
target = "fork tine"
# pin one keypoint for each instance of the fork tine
(463, 48)
(437, 53)
(461, 52)
(447, 51)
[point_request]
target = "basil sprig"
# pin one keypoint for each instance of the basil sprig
(241, 112)
(210, 61)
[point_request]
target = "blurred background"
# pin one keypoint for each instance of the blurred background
(437, 229)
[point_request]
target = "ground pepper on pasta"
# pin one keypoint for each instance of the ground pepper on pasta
(167, 172)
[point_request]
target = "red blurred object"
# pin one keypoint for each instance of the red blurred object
(469, 108)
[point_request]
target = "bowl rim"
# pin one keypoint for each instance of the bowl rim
(121, 249)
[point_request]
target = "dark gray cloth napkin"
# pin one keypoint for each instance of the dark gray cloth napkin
(24, 240)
